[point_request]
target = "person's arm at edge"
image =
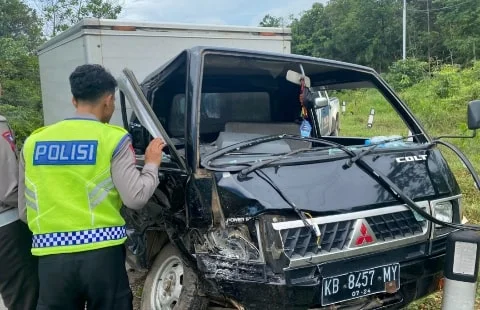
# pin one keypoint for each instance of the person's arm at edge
(22, 208)
(9, 175)
(135, 187)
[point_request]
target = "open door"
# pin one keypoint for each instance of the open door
(130, 89)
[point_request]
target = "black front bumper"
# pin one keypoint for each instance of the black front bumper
(420, 271)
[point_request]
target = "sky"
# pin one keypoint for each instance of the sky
(217, 12)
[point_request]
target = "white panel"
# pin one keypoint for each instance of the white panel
(142, 51)
(55, 68)
(143, 54)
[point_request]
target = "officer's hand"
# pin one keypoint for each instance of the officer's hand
(153, 153)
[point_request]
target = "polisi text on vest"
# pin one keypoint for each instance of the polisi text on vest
(65, 153)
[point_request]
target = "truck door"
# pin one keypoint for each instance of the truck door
(323, 117)
(130, 90)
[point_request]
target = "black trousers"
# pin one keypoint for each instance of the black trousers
(18, 267)
(97, 278)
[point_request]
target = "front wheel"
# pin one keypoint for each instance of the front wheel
(171, 285)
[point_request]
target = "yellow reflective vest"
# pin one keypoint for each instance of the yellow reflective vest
(72, 203)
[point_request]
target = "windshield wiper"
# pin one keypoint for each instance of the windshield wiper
(314, 229)
(252, 154)
(462, 157)
(353, 156)
(380, 178)
(207, 160)
(244, 172)
(390, 186)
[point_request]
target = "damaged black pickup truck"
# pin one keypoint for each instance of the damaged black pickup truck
(256, 209)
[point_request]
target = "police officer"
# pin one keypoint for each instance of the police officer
(18, 268)
(77, 173)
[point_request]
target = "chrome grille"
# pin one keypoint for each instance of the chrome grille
(395, 225)
(301, 241)
(392, 226)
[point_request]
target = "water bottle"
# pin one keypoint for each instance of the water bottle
(398, 142)
(305, 129)
(378, 140)
(384, 142)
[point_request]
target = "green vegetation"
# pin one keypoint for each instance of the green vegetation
(59, 15)
(440, 103)
(369, 32)
(20, 35)
(359, 102)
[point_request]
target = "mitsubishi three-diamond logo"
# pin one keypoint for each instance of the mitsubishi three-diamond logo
(362, 235)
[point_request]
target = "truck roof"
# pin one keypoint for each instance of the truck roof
(99, 26)
(197, 51)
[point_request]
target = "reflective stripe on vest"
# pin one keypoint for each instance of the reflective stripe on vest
(72, 203)
(79, 237)
(95, 199)
(31, 199)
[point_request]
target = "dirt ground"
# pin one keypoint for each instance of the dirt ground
(136, 283)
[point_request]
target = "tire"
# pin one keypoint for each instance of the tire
(171, 285)
(336, 127)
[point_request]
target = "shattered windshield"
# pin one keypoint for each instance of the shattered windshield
(246, 98)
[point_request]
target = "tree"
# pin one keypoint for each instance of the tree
(363, 32)
(20, 23)
(59, 15)
(272, 21)
(312, 32)
(20, 35)
(20, 79)
(369, 32)
(460, 24)
(405, 73)
(19, 75)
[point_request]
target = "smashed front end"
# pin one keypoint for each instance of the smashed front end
(284, 204)
(262, 256)
(283, 219)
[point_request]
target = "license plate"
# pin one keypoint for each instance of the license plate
(359, 283)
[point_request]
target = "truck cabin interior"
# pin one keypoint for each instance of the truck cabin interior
(242, 97)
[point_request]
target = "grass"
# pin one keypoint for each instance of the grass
(440, 104)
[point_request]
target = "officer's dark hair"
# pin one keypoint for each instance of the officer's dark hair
(90, 82)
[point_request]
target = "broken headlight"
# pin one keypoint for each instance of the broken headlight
(234, 242)
(447, 210)
(443, 211)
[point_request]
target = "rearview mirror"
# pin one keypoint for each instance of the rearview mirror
(473, 114)
(296, 78)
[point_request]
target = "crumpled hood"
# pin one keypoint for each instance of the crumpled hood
(327, 187)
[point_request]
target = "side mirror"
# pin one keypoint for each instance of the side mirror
(473, 114)
(321, 102)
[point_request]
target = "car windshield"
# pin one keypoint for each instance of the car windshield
(243, 98)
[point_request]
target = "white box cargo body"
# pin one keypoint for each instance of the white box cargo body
(142, 47)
